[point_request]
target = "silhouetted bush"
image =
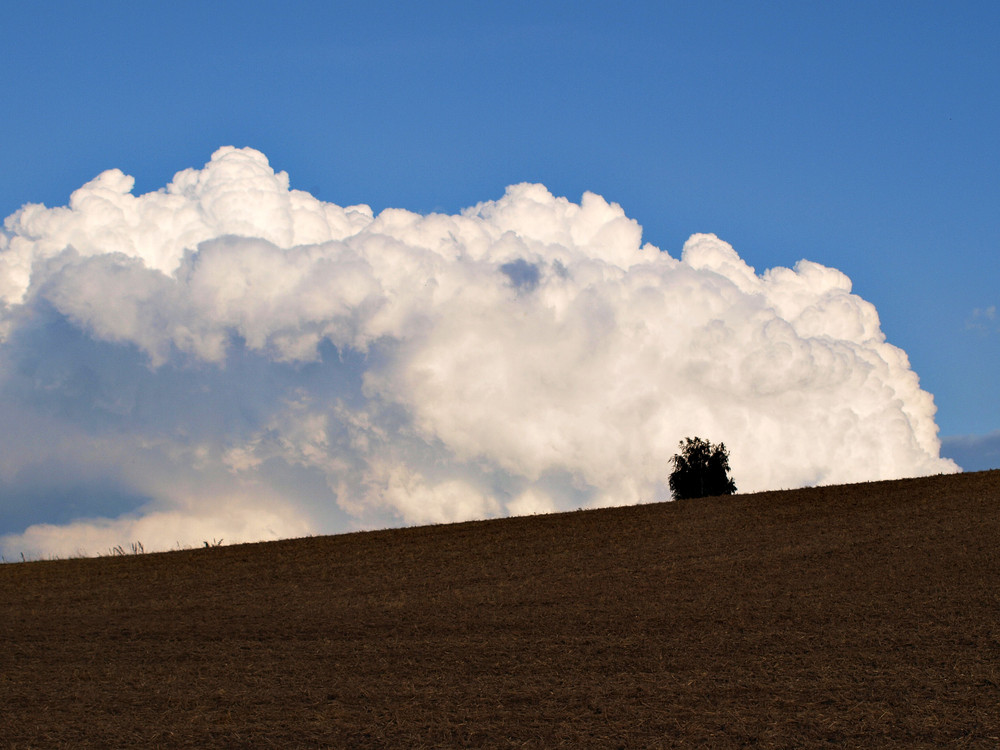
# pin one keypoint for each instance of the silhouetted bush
(701, 470)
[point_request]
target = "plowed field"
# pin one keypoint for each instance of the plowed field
(857, 616)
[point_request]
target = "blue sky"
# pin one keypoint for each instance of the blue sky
(862, 136)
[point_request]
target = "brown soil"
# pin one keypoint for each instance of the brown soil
(859, 616)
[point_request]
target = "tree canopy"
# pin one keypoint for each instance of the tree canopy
(701, 470)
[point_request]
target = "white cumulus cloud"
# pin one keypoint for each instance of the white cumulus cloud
(235, 358)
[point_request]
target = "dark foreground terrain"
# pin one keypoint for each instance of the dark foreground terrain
(859, 616)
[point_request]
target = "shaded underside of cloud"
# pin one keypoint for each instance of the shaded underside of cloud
(230, 357)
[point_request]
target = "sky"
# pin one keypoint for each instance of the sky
(724, 140)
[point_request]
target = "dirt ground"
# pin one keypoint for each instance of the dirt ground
(858, 616)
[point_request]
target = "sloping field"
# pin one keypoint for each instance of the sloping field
(859, 616)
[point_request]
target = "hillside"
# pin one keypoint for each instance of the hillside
(865, 615)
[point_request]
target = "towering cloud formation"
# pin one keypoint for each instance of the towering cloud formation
(227, 357)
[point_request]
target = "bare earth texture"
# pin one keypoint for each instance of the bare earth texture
(859, 616)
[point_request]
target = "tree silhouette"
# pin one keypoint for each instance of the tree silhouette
(701, 470)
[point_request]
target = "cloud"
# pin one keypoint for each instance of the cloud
(237, 358)
(973, 452)
(983, 319)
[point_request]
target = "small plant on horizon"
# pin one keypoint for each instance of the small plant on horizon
(701, 470)
(215, 543)
(119, 551)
